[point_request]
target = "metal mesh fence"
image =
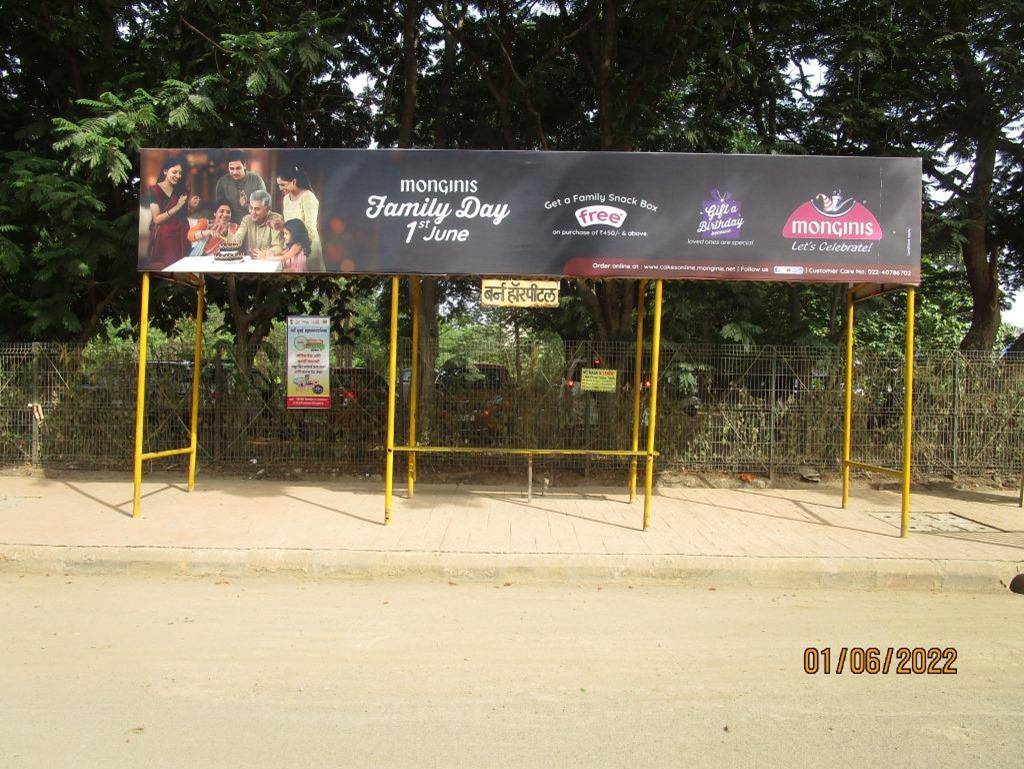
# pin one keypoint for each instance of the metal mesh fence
(721, 407)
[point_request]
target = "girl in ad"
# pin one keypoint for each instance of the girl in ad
(296, 246)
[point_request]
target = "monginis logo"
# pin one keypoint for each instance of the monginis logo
(610, 215)
(833, 217)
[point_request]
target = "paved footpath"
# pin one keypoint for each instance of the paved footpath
(970, 540)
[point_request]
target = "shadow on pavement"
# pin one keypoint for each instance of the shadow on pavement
(117, 508)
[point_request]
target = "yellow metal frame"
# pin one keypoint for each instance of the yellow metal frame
(521, 452)
(653, 405)
(852, 299)
(638, 381)
(389, 462)
(140, 395)
(414, 382)
(412, 448)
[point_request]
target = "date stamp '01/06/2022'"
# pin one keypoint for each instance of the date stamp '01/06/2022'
(873, 660)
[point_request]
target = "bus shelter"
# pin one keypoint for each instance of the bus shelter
(527, 216)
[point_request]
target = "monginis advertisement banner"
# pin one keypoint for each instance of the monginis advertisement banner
(531, 214)
(309, 362)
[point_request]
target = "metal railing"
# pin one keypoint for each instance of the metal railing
(721, 407)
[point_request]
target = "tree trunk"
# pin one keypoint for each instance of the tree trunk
(981, 262)
(444, 98)
(605, 71)
(793, 304)
(508, 141)
(410, 37)
(611, 304)
(985, 314)
(98, 307)
(429, 318)
(596, 55)
(251, 326)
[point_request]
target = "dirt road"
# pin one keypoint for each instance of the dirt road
(105, 672)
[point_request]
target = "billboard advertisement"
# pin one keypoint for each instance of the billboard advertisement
(523, 213)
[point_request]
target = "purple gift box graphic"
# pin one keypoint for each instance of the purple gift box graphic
(720, 217)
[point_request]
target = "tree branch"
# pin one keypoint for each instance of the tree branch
(205, 37)
(945, 178)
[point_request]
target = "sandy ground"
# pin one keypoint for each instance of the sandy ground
(106, 672)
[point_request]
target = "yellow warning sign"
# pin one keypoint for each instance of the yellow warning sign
(599, 380)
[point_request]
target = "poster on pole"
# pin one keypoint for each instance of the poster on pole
(309, 362)
(527, 214)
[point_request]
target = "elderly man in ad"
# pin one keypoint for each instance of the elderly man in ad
(260, 232)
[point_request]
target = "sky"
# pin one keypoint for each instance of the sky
(1015, 315)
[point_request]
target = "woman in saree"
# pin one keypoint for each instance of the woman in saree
(211, 232)
(169, 204)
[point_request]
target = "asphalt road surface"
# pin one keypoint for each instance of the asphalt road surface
(147, 672)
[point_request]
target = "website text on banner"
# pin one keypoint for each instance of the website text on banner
(511, 213)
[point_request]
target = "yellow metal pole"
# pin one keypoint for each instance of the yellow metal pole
(414, 381)
(638, 379)
(908, 412)
(653, 404)
(166, 453)
(848, 397)
(389, 466)
(523, 452)
(140, 395)
(196, 369)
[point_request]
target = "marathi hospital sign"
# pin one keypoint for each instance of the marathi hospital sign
(532, 214)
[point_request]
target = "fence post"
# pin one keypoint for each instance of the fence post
(35, 408)
(772, 395)
(956, 410)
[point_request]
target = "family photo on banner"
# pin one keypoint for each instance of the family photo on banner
(216, 205)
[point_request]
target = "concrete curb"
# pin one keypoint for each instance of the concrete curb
(553, 568)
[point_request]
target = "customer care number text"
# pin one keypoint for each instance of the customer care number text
(873, 660)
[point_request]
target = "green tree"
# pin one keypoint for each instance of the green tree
(943, 81)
